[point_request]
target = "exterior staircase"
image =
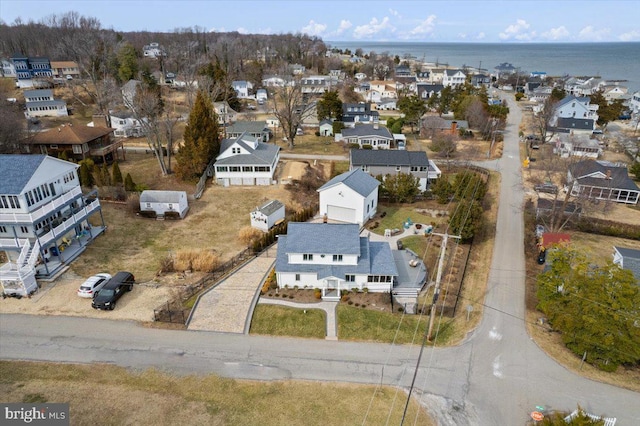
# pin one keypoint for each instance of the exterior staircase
(19, 278)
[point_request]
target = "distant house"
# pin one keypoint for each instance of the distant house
(350, 197)
(62, 69)
(8, 69)
(275, 81)
(32, 71)
(333, 257)
(393, 162)
(243, 88)
(628, 259)
(432, 124)
(44, 219)
(326, 127)
(601, 180)
(386, 104)
(371, 135)
(164, 203)
(225, 113)
(480, 80)
(385, 88)
(153, 50)
(246, 160)
(634, 102)
(297, 69)
(317, 83)
(124, 123)
(453, 78)
(79, 142)
(427, 90)
(40, 103)
(566, 145)
(503, 69)
(261, 95)
(353, 114)
(267, 215)
(257, 129)
(129, 92)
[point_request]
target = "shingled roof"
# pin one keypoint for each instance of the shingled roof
(68, 134)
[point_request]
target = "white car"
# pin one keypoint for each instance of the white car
(89, 288)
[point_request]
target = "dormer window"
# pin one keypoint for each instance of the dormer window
(307, 257)
(337, 258)
(235, 150)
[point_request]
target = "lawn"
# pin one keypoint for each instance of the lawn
(109, 395)
(283, 321)
(397, 214)
(369, 325)
(311, 144)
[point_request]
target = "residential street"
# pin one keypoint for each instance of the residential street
(496, 377)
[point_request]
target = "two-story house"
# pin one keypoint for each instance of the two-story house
(572, 113)
(353, 114)
(62, 69)
(246, 160)
(79, 142)
(333, 257)
(243, 88)
(504, 69)
(44, 219)
(153, 50)
(40, 103)
(317, 83)
(453, 78)
(225, 113)
(349, 197)
(256, 129)
(8, 69)
(427, 90)
(32, 71)
(394, 162)
(371, 135)
(634, 102)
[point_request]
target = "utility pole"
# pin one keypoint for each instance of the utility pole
(436, 292)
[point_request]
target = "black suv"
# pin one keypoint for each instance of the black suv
(107, 297)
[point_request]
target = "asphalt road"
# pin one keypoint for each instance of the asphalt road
(496, 377)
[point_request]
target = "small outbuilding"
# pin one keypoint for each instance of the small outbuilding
(266, 216)
(165, 203)
(326, 127)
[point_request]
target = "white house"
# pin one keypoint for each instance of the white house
(634, 103)
(576, 145)
(333, 257)
(257, 129)
(225, 113)
(453, 78)
(350, 197)
(275, 81)
(261, 95)
(246, 160)
(153, 50)
(373, 135)
(40, 103)
(627, 258)
(573, 107)
(163, 202)
(44, 219)
(326, 127)
(8, 69)
(125, 125)
(267, 215)
(242, 88)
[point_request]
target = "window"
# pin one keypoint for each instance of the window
(53, 189)
(398, 168)
(414, 168)
(222, 169)
(170, 206)
(365, 169)
(24, 229)
(148, 205)
(247, 168)
(307, 257)
(235, 150)
(350, 278)
(3, 229)
(337, 258)
(77, 149)
(234, 168)
(297, 277)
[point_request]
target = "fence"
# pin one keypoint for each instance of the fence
(174, 311)
(208, 172)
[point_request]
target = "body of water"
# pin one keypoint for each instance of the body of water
(611, 61)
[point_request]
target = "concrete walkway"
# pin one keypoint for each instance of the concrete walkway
(227, 306)
(328, 307)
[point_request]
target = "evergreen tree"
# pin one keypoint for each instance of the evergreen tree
(63, 156)
(201, 142)
(413, 108)
(466, 219)
(128, 60)
(329, 106)
(106, 176)
(128, 183)
(442, 190)
(86, 178)
(116, 174)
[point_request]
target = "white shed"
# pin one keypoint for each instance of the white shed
(351, 197)
(266, 216)
(163, 202)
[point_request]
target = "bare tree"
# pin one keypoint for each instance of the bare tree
(291, 109)
(544, 117)
(11, 126)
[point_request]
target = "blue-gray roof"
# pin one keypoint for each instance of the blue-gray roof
(263, 154)
(270, 207)
(323, 238)
(367, 130)
(375, 258)
(388, 157)
(575, 123)
(582, 171)
(248, 127)
(16, 171)
(631, 260)
(38, 93)
(356, 179)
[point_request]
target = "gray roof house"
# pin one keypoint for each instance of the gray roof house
(350, 197)
(629, 259)
(267, 215)
(373, 135)
(601, 180)
(574, 125)
(326, 127)
(427, 90)
(246, 160)
(163, 202)
(392, 162)
(258, 129)
(333, 257)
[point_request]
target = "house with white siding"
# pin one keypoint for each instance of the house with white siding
(369, 135)
(350, 197)
(40, 103)
(267, 215)
(44, 219)
(163, 202)
(246, 160)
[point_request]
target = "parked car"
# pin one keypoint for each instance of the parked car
(107, 297)
(93, 284)
(549, 188)
(542, 257)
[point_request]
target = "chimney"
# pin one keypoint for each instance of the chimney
(609, 174)
(454, 127)
(99, 120)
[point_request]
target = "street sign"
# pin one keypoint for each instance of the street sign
(537, 416)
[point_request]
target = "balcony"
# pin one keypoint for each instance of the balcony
(69, 223)
(35, 216)
(102, 151)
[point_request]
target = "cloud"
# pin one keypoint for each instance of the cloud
(425, 27)
(633, 35)
(592, 34)
(462, 36)
(556, 33)
(517, 31)
(395, 13)
(373, 27)
(480, 36)
(314, 28)
(344, 26)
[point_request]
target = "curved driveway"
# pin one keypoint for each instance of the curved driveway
(496, 377)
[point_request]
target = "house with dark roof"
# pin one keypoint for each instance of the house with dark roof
(370, 135)
(246, 160)
(573, 114)
(32, 71)
(44, 219)
(628, 259)
(504, 68)
(453, 78)
(601, 180)
(432, 124)
(584, 126)
(350, 197)
(480, 80)
(79, 142)
(267, 215)
(353, 114)
(427, 90)
(333, 257)
(257, 129)
(394, 162)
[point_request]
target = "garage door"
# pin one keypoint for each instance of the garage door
(342, 214)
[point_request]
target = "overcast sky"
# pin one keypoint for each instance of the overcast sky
(333, 20)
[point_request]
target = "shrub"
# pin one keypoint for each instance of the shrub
(317, 293)
(196, 260)
(356, 304)
(291, 296)
(166, 264)
(248, 235)
(133, 203)
(350, 302)
(172, 215)
(344, 298)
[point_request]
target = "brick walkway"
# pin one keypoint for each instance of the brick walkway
(226, 307)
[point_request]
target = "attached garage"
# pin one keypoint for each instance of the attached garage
(342, 214)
